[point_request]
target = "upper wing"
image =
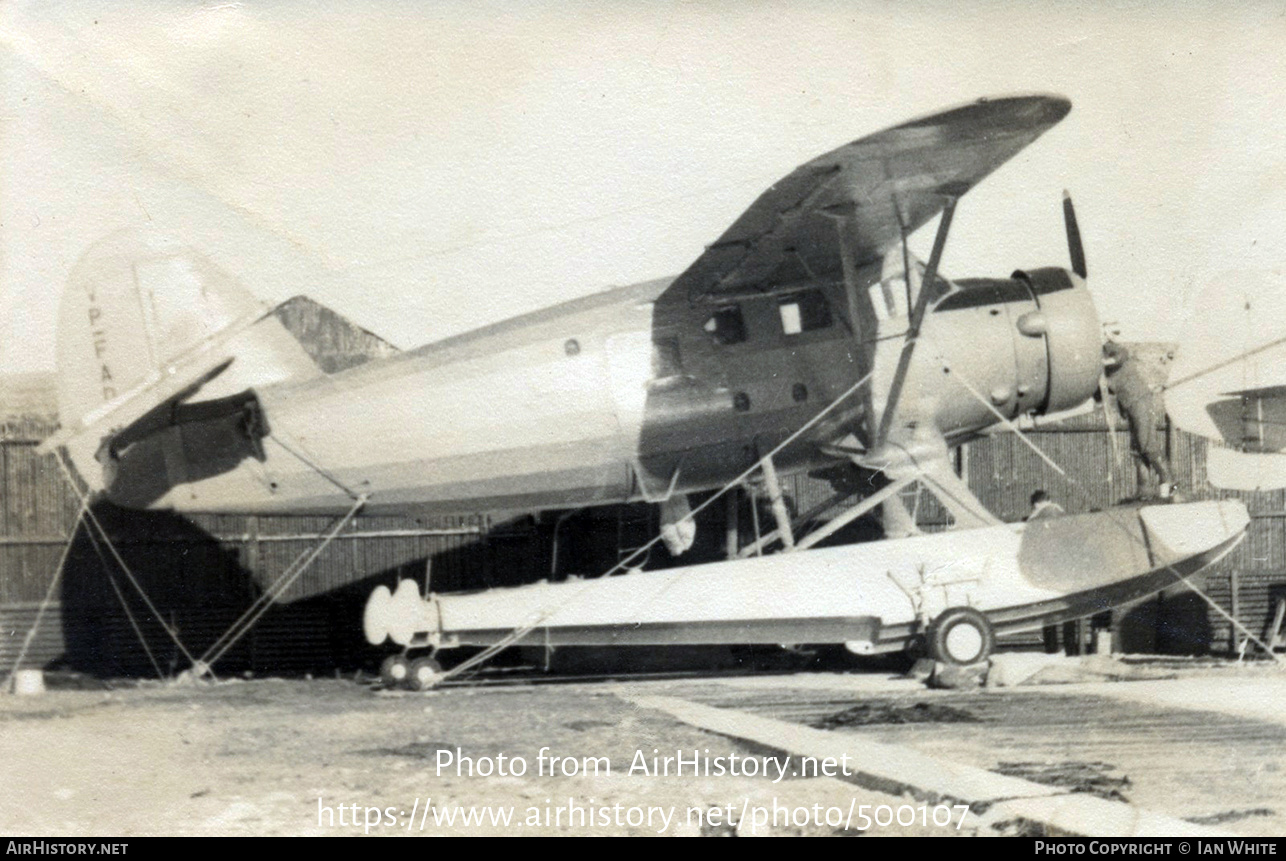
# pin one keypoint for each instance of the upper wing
(889, 182)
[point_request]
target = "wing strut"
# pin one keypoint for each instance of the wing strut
(778, 503)
(835, 524)
(848, 262)
(917, 319)
(906, 261)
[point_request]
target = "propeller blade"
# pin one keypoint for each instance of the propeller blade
(1074, 247)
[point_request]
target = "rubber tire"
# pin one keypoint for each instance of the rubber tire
(424, 674)
(941, 643)
(395, 670)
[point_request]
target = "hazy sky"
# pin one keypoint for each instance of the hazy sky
(425, 168)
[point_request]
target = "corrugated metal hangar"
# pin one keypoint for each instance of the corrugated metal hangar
(201, 573)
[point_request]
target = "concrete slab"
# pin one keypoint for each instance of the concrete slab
(895, 768)
(1259, 698)
(840, 682)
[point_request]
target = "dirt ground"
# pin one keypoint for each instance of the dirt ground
(342, 757)
(278, 757)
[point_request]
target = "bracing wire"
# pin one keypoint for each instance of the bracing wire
(518, 633)
(107, 541)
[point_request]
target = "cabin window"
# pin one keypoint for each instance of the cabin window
(726, 325)
(666, 361)
(804, 312)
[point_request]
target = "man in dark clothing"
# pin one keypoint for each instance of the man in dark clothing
(1140, 402)
(1042, 506)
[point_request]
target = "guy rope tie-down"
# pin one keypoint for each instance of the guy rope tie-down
(46, 601)
(255, 611)
(107, 542)
(260, 605)
(120, 596)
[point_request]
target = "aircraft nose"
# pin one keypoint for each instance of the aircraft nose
(1073, 334)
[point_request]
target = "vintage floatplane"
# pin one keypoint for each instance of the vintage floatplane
(1228, 379)
(805, 336)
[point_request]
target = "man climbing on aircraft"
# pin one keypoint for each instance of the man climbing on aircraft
(1141, 404)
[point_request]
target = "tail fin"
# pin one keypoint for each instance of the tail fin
(147, 321)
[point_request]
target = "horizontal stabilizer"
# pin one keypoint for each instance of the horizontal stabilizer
(179, 382)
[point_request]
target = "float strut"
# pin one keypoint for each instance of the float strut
(779, 512)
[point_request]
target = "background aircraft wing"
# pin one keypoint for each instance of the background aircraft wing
(1228, 380)
(888, 182)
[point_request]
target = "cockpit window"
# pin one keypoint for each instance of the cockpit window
(726, 325)
(803, 312)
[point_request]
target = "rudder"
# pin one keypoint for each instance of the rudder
(146, 320)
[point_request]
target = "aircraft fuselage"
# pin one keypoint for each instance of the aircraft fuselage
(629, 394)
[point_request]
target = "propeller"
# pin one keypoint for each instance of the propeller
(1076, 251)
(1074, 248)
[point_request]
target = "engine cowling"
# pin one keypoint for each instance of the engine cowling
(1069, 322)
